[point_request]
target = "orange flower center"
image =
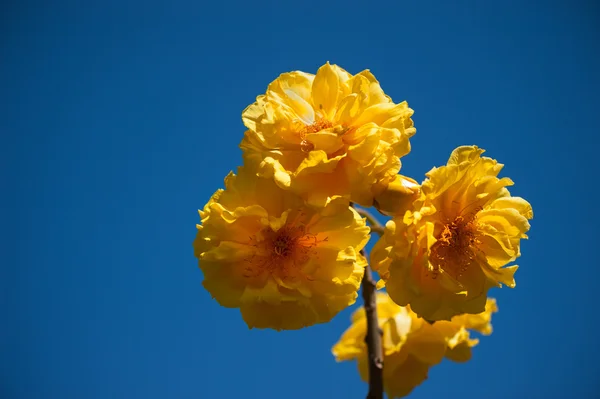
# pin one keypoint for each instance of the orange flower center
(282, 252)
(456, 247)
(317, 126)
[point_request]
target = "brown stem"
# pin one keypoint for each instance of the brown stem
(376, 227)
(373, 338)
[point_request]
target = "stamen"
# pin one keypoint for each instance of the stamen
(281, 251)
(456, 247)
(317, 126)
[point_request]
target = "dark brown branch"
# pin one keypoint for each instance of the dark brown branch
(376, 227)
(373, 338)
(374, 333)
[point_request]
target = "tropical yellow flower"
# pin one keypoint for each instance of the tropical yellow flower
(284, 264)
(327, 134)
(410, 344)
(442, 256)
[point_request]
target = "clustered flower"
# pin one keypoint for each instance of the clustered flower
(411, 345)
(284, 243)
(443, 253)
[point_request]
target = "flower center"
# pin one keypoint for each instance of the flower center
(317, 126)
(456, 247)
(282, 252)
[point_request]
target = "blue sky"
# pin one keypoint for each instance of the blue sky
(119, 119)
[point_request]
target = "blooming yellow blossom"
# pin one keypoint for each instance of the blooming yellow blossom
(410, 344)
(442, 256)
(327, 134)
(284, 264)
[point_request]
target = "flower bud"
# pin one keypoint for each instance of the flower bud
(398, 196)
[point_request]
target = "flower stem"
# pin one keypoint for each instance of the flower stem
(376, 227)
(374, 333)
(373, 338)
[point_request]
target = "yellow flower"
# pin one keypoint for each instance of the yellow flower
(410, 344)
(327, 134)
(444, 255)
(284, 264)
